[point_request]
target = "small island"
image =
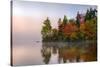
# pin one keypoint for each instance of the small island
(83, 27)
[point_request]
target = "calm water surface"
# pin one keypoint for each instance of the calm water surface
(38, 53)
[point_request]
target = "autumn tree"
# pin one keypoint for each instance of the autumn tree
(91, 29)
(84, 27)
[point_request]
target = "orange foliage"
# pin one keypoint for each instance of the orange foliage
(70, 28)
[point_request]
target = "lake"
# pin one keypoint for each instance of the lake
(39, 53)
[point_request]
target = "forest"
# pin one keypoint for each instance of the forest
(83, 27)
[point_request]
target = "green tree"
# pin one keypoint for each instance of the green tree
(78, 19)
(87, 15)
(65, 20)
(54, 34)
(46, 29)
(90, 14)
(59, 22)
(72, 20)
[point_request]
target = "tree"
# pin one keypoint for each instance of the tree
(78, 19)
(91, 29)
(87, 15)
(90, 14)
(54, 34)
(61, 36)
(74, 36)
(71, 20)
(65, 20)
(73, 30)
(95, 12)
(46, 29)
(59, 22)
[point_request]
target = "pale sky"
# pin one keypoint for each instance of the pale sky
(41, 9)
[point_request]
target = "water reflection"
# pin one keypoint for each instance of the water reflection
(69, 52)
(54, 52)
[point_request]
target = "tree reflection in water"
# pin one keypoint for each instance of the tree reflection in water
(46, 54)
(69, 52)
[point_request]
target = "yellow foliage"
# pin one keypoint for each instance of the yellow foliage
(74, 36)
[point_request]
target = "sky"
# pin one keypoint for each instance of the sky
(41, 9)
(28, 17)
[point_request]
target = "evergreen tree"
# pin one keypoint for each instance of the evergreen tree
(78, 19)
(87, 15)
(46, 29)
(59, 22)
(65, 20)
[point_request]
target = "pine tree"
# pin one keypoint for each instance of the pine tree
(65, 20)
(78, 19)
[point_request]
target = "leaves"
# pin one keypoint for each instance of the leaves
(83, 28)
